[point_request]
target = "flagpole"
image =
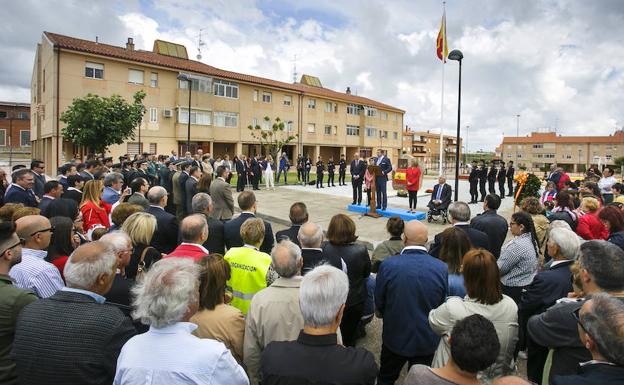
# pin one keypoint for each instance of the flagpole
(442, 99)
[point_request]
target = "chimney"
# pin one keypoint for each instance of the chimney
(130, 44)
(348, 91)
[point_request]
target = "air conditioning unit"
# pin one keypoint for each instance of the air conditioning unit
(167, 113)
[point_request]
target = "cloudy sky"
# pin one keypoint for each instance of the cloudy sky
(559, 64)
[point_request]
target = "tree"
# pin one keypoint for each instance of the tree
(98, 122)
(619, 162)
(273, 139)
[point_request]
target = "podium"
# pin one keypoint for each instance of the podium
(375, 171)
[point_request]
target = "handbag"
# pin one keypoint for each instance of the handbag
(141, 266)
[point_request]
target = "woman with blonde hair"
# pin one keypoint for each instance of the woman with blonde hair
(140, 227)
(216, 319)
(269, 166)
(589, 225)
(95, 212)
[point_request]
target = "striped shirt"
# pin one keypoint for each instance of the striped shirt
(518, 262)
(35, 274)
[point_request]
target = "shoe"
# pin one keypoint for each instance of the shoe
(352, 203)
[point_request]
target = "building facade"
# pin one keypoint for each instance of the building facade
(223, 104)
(425, 147)
(574, 153)
(14, 131)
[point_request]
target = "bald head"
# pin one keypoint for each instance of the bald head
(510, 380)
(194, 229)
(415, 233)
(36, 230)
(89, 252)
(310, 235)
(286, 257)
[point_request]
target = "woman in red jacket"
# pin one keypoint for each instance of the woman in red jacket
(589, 225)
(413, 177)
(94, 210)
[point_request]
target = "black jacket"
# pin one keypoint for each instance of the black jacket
(314, 257)
(89, 335)
(474, 175)
(617, 239)
(74, 195)
(40, 181)
(547, 287)
(478, 239)
(591, 374)
(182, 181)
(216, 238)
(358, 168)
(165, 237)
(43, 204)
(316, 360)
(358, 264)
(232, 233)
(290, 233)
(119, 293)
(445, 196)
(494, 226)
(492, 173)
(190, 189)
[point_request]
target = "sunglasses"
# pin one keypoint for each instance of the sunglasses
(21, 242)
(50, 229)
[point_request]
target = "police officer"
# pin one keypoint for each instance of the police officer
(320, 167)
(482, 179)
(331, 169)
(473, 178)
(308, 167)
(510, 177)
(491, 178)
(300, 168)
(502, 174)
(342, 171)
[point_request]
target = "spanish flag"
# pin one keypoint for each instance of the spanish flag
(441, 45)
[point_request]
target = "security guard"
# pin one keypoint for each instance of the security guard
(308, 167)
(501, 179)
(482, 179)
(473, 178)
(342, 171)
(320, 167)
(331, 169)
(491, 178)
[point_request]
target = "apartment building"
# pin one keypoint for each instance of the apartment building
(539, 150)
(223, 104)
(425, 147)
(14, 129)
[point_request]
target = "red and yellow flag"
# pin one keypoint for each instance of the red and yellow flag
(441, 44)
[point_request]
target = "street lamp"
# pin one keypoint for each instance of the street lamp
(186, 78)
(457, 55)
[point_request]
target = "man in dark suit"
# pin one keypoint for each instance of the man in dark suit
(510, 177)
(501, 176)
(492, 224)
(190, 188)
(241, 171)
(256, 171)
(247, 204)
(381, 182)
(483, 175)
(202, 204)
(74, 189)
(51, 190)
(89, 332)
(38, 168)
(298, 216)
(491, 178)
(473, 179)
(20, 191)
(310, 237)
(307, 162)
(185, 167)
(320, 168)
(92, 167)
(459, 215)
(441, 195)
(358, 169)
(165, 237)
(342, 170)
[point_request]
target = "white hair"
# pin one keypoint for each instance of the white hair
(313, 240)
(163, 296)
(117, 240)
(200, 202)
(156, 194)
(323, 291)
(558, 224)
(286, 268)
(567, 241)
(84, 273)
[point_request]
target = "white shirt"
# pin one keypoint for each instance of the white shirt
(605, 184)
(172, 355)
(35, 274)
(196, 245)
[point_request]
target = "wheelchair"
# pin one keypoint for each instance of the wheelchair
(437, 214)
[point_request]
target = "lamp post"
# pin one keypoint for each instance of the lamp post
(186, 78)
(457, 55)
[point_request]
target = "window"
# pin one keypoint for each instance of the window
(226, 89)
(371, 131)
(328, 129)
(371, 112)
(289, 126)
(311, 127)
(312, 103)
(197, 117)
(25, 138)
(254, 122)
(226, 119)
(255, 95)
(538, 145)
(198, 83)
(94, 70)
(3, 137)
(3, 115)
(266, 125)
(154, 80)
(266, 97)
(384, 115)
(353, 130)
(383, 134)
(153, 115)
(353, 109)
(153, 147)
(395, 116)
(395, 135)
(135, 76)
(287, 100)
(549, 156)
(608, 157)
(134, 148)
(328, 107)
(22, 115)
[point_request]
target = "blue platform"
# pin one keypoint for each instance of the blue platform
(390, 212)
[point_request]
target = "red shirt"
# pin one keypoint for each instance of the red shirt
(412, 177)
(60, 264)
(590, 227)
(188, 250)
(93, 215)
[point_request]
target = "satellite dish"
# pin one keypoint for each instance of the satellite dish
(199, 56)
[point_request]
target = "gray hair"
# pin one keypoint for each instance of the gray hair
(156, 194)
(323, 291)
(117, 240)
(164, 295)
(558, 224)
(459, 211)
(604, 322)
(313, 240)
(442, 176)
(567, 241)
(286, 267)
(84, 273)
(111, 178)
(604, 261)
(201, 201)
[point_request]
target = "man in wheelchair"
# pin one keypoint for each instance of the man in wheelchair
(440, 198)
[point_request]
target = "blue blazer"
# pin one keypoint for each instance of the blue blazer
(17, 194)
(408, 287)
(386, 167)
(231, 231)
(547, 287)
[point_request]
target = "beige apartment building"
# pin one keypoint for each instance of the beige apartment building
(425, 146)
(574, 153)
(223, 104)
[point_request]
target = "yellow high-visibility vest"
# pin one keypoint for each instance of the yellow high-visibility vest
(249, 271)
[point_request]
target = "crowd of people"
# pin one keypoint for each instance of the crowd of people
(143, 274)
